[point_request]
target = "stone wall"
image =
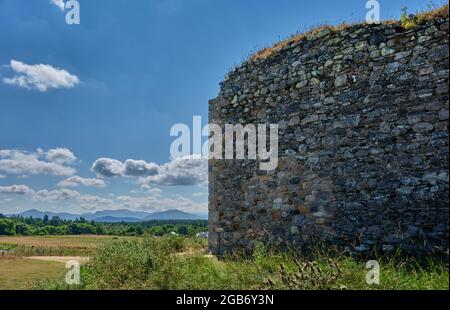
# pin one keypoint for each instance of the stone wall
(363, 142)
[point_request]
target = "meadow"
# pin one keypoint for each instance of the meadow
(23, 273)
(79, 245)
(180, 263)
(177, 262)
(26, 260)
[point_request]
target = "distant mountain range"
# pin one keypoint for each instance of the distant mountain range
(117, 216)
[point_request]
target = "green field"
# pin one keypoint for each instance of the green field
(25, 260)
(83, 245)
(23, 273)
(184, 263)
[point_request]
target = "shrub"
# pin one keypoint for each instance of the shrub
(180, 263)
(120, 264)
(7, 227)
(409, 21)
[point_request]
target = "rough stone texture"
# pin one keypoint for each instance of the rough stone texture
(363, 147)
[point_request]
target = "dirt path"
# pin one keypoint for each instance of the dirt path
(61, 259)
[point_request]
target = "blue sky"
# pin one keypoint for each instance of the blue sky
(112, 87)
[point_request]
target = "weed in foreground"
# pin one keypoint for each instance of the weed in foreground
(181, 264)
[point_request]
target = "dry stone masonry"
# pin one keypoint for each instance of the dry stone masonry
(363, 143)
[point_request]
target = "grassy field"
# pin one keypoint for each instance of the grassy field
(84, 245)
(184, 264)
(23, 273)
(20, 263)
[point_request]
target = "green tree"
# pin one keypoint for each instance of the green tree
(139, 230)
(22, 229)
(182, 230)
(56, 221)
(7, 227)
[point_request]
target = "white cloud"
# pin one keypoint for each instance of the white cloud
(76, 181)
(88, 207)
(16, 189)
(56, 195)
(180, 171)
(151, 201)
(107, 167)
(156, 203)
(40, 76)
(61, 156)
(199, 194)
(151, 190)
(25, 163)
(59, 3)
(2, 176)
(68, 195)
(139, 168)
(94, 200)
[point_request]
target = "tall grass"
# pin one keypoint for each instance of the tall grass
(21, 250)
(181, 263)
(406, 20)
(409, 21)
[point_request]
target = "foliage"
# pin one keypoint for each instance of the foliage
(56, 226)
(409, 21)
(179, 263)
(7, 227)
(22, 273)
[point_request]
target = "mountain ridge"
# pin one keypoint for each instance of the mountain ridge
(114, 216)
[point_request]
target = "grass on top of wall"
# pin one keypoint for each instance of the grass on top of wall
(407, 21)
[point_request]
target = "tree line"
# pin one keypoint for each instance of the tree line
(56, 226)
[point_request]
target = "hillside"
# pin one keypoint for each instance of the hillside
(115, 216)
(173, 215)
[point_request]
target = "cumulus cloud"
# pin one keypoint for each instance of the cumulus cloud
(156, 203)
(59, 3)
(26, 163)
(67, 195)
(94, 200)
(151, 190)
(181, 171)
(61, 155)
(77, 181)
(56, 195)
(107, 167)
(139, 168)
(151, 201)
(40, 76)
(16, 189)
(88, 207)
